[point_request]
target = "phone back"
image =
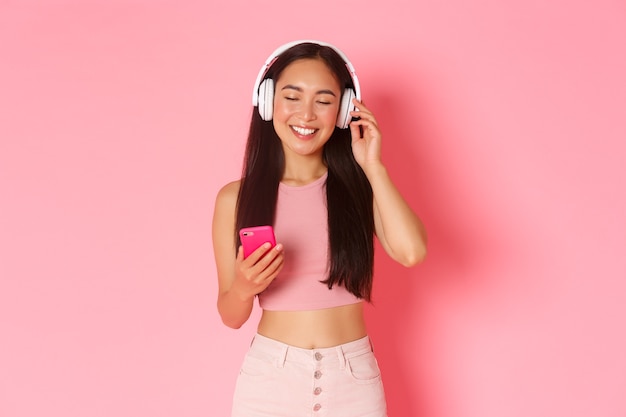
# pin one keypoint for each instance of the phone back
(253, 237)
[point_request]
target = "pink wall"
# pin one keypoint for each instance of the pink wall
(504, 126)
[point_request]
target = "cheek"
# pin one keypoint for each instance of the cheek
(278, 108)
(329, 114)
(285, 107)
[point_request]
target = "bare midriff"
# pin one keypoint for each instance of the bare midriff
(315, 329)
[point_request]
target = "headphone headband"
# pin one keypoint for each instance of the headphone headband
(270, 60)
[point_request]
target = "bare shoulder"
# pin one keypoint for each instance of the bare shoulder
(225, 209)
(227, 195)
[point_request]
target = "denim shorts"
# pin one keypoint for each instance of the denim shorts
(279, 380)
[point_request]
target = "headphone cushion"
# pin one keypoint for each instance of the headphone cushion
(344, 118)
(266, 99)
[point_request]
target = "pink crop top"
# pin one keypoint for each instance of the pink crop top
(302, 227)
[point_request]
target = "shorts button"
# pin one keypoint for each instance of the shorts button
(317, 374)
(317, 407)
(318, 356)
(317, 391)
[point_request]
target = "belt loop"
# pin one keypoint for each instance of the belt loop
(342, 358)
(282, 356)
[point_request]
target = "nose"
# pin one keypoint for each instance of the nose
(307, 111)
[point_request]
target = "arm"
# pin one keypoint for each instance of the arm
(239, 279)
(399, 230)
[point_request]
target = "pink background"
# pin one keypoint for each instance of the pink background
(504, 125)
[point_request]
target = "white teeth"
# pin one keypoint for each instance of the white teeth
(303, 131)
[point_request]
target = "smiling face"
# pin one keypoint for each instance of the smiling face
(306, 104)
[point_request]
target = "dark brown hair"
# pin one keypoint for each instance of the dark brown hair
(348, 192)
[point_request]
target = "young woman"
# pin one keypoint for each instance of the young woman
(312, 170)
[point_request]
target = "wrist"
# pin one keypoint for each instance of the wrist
(243, 297)
(374, 168)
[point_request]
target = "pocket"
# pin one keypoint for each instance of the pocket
(255, 386)
(364, 368)
(257, 366)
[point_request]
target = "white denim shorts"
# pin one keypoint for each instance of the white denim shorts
(279, 380)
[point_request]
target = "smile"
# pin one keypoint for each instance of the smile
(303, 131)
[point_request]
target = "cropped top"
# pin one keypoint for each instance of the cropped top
(301, 225)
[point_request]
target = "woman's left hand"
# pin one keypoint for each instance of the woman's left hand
(366, 137)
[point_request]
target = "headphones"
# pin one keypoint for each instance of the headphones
(263, 94)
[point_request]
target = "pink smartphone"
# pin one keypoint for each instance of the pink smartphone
(253, 237)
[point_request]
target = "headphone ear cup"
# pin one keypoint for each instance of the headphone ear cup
(344, 118)
(266, 99)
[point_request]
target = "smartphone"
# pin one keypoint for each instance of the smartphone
(253, 237)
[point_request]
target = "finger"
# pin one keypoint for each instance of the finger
(366, 126)
(355, 130)
(258, 253)
(268, 267)
(359, 104)
(362, 118)
(262, 285)
(361, 108)
(274, 268)
(267, 258)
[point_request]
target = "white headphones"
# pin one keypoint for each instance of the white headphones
(263, 94)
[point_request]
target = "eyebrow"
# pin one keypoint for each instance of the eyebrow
(296, 88)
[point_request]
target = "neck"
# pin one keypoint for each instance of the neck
(303, 172)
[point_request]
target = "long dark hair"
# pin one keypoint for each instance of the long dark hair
(348, 191)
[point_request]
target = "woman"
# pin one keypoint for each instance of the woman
(312, 170)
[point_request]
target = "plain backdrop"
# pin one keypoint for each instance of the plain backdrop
(504, 127)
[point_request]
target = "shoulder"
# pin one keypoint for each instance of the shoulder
(226, 199)
(228, 193)
(225, 208)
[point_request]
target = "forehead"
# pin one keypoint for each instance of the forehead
(308, 71)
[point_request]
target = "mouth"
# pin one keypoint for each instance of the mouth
(303, 131)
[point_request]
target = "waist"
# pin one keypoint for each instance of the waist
(281, 352)
(312, 329)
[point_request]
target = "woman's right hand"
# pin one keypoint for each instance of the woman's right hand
(256, 272)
